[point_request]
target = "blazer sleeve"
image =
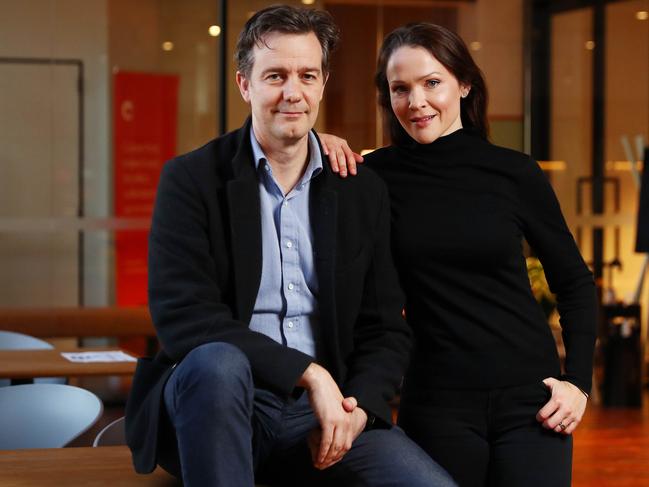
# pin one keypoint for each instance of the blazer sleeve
(382, 338)
(568, 276)
(187, 302)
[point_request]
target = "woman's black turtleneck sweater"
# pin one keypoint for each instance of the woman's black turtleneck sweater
(461, 208)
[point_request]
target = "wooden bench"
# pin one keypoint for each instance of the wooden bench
(103, 466)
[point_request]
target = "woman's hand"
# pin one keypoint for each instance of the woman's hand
(563, 412)
(341, 157)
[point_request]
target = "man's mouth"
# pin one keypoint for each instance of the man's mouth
(291, 113)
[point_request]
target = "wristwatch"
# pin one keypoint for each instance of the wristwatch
(371, 419)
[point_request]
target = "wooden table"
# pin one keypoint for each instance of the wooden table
(78, 322)
(83, 466)
(26, 364)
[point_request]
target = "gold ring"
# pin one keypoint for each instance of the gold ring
(562, 426)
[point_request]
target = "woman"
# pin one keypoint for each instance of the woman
(484, 394)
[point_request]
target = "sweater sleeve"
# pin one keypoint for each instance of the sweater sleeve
(568, 276)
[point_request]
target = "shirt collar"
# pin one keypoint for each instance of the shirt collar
(314, 166)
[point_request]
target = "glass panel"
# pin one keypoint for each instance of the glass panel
(571, 117)
(627, 119)
(72, 147)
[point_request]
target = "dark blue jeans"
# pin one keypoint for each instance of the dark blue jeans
(223, 431)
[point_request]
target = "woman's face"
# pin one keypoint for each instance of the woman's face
(425, 96)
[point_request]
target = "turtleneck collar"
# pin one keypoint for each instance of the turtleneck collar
(448, 143)
(449, 149)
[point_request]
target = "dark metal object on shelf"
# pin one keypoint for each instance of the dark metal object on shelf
(622, 353)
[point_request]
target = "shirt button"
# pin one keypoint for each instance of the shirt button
(286, 203)
(289, 244)
(290, 285)
(267, 167)
(290, 324)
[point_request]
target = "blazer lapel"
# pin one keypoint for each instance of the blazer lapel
(324, 214)
(245, 227)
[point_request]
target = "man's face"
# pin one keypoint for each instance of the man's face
(284, 88)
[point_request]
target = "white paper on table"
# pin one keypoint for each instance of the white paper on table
(108, 356)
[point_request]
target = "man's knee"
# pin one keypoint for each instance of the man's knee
(216, 366)
(408, 464)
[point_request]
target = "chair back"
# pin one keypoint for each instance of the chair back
(10, 340)
(45, 415)
(113, 434)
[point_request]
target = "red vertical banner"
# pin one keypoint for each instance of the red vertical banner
(145, 113)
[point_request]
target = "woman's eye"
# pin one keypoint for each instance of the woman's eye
(432, 83)
(399, 89)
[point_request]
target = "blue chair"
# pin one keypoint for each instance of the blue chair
(45, 415)
(113, 434)
(10, 340)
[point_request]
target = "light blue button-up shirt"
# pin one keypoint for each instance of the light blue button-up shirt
(286, 308)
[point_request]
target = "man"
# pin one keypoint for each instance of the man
(274, 296)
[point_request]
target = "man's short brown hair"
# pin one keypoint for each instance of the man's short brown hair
(285, 19)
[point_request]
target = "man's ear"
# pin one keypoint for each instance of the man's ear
(244, 86)
(325, 78)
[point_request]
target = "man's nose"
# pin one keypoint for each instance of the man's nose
(292, 90)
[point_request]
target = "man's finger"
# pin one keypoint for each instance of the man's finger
(314, 445)
(350, 403)
(337, 445)
(325, 442)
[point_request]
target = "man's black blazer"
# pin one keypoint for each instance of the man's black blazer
(204, 273)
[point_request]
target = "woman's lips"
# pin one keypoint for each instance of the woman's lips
(422, 121)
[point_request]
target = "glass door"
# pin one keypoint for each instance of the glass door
(596, 123)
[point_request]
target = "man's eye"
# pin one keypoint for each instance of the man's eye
(273, 77)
